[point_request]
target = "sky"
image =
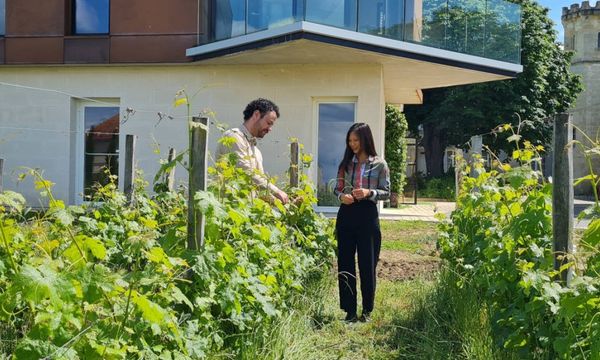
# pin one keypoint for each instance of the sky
(555, 7)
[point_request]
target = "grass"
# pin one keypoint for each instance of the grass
(412, 320)
(415, 237)
(415, 319)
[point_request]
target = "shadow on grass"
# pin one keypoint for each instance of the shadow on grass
(321, 320)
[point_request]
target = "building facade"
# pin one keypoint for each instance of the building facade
(76, 76)
(582, 35)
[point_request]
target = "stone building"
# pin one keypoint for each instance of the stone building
(582, 35)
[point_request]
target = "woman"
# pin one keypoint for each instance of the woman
(363, 179)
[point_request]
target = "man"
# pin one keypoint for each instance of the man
(259, 117)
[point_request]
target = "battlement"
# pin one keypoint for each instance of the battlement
(577, 10)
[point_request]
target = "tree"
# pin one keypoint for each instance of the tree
(396, 129)
(450, 116)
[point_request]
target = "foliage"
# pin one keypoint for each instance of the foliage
(500, 239)
(437, 187)
(545, 87)
(113, 280)
(396, 131)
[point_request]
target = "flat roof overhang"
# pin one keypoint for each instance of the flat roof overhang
(407, 67)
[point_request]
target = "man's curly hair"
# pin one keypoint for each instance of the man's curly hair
(262, 105)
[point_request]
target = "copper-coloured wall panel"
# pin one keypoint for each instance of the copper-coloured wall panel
(35, 17)
(1, 50)
(150, 49)
(129, 17)
(42, 50)
(87, 50)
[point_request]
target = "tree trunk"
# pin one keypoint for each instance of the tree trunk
(434, 150)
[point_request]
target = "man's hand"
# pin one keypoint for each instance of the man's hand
(347, 199)
(361, 194)
(282, 196)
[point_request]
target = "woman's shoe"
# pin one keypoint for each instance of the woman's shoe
(351, 317)
(365, 317)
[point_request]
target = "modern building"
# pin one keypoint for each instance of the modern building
(69, 68)
(582, 35)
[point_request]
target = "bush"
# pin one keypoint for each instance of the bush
(500, 240)
(114, 280)
(396, 129)
(437, 188)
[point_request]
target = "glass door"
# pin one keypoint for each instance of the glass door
(334, 119)
(98, 147)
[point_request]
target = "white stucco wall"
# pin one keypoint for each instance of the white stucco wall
(38, 128)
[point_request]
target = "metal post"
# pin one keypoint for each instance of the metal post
(198, 165)
(295, 157)
(171, 173)
(129, 166)
(562, 193)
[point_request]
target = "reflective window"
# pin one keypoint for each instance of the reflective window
(486, 28)
(91, 17)
(465, 32)
(426, 22)
(381, 17)
(503, 31)
(2, 17)
(266, 14)
(338, 13)
(230, 18)
(334, 121)
(101, 146)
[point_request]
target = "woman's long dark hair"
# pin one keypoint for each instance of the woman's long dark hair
(365, 136)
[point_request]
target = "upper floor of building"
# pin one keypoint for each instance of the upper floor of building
(159, 31)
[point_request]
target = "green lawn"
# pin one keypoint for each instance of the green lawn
(422, 318)
(417, 237)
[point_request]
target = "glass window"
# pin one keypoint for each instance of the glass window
(334, 121)
(91, 16)
(230, 18)
(426, 22)
(338, 13)
(2, 17)
(465, 30)
(503, 31)
(101, 146)
(381, 17)
(266, 14)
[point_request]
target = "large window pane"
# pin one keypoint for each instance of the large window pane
(381, 17)
(101, 138)
(334, 121)
(435, 17)
(465, 32)
(338, 13)
(98, 170)
(503, 31)
(230, 18)
(91, 16)
(426, 22)
(266, 14)
(2, 17)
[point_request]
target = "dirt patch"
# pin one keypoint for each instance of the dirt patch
(399, 266)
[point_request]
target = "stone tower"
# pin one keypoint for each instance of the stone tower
(582, 35)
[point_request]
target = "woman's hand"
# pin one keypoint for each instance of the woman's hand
(361, 194)
(347, 199)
